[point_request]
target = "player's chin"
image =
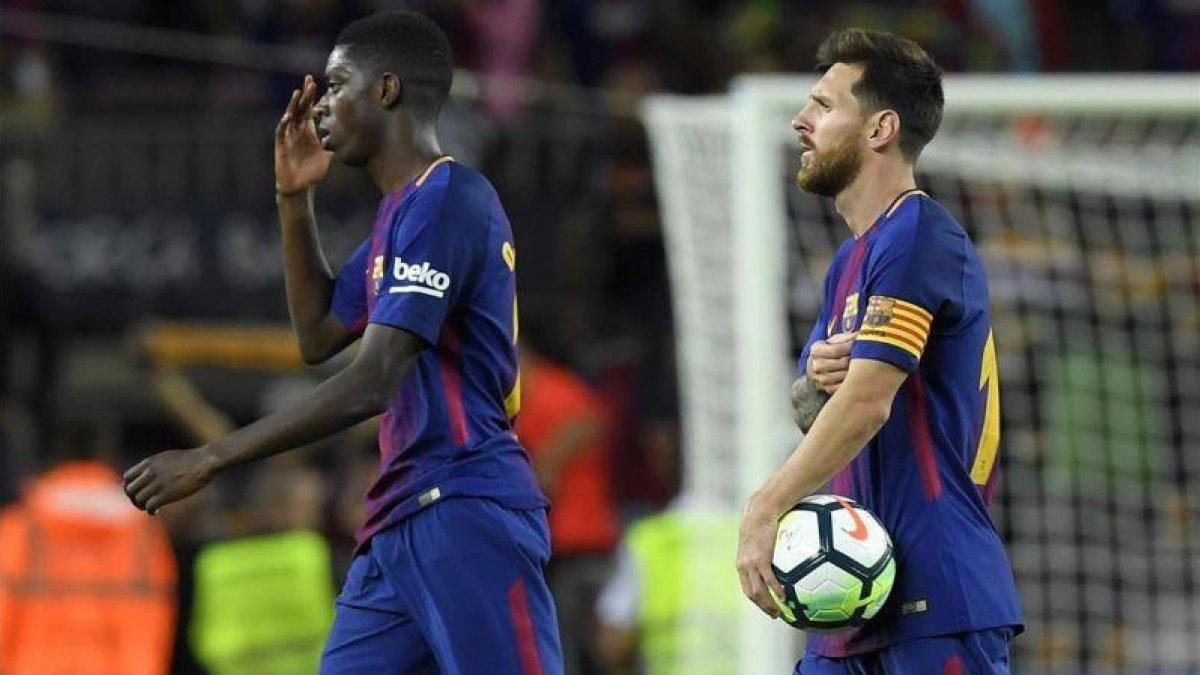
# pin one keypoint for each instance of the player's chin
(804, 177)
(350, 156)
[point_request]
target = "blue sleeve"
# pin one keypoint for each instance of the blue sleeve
(433, 249)
(349, 302)
(914, 277)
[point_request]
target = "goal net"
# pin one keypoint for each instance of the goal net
(1082, 195)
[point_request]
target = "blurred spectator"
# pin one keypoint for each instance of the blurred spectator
(564, 426)
(29, 101)
(87, 582)
(1012, 24)
(503, 33)
(263, 604)
(672, 606)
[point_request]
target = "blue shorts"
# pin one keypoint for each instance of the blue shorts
(455, 589)
(982, 652)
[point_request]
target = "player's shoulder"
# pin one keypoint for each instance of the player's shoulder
(456, 191)
(922, 221)
(461, 184)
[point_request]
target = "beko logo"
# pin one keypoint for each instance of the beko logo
(423, 278)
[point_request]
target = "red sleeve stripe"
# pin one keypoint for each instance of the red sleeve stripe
(901, 331)
(916, 325)
(916, 310)
(906, 344)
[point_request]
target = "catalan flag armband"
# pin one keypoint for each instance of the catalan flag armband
(896, 322)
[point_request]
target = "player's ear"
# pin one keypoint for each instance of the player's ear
(391, 91)
(883, 128)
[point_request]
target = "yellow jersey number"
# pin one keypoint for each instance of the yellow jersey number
(989, 436)
(512, 402)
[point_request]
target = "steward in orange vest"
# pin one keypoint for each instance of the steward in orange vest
(87, 582)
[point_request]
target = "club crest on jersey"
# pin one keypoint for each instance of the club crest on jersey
(419, 278)
(377, 273)
(850, 313)
(879, 311)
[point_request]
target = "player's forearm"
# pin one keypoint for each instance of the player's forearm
(351, 396)
(807, 401)
(844, 425)
(307, 275)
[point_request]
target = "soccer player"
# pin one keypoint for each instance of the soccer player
(448, 575)
(898, 398)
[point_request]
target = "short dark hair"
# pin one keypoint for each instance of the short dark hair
(897, 75)
(413, 47)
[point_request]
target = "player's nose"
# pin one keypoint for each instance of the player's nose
(800, 123)
(321, 107)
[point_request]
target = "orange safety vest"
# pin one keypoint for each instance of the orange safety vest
(583, 514)
(87, 582)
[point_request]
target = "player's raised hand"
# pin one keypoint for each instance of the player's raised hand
(829, 360)
(756, 549)
(168, 477)
(300, 161)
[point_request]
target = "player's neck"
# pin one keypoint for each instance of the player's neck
(403, 158)
(875, 189)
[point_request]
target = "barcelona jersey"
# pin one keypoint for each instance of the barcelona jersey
(915, 290)
(440, 264)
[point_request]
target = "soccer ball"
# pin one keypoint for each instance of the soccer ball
(834, 560)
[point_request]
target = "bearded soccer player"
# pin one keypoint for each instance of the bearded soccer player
(898, 394)
(448, 575)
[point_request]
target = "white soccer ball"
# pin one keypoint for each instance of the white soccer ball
(835, 562)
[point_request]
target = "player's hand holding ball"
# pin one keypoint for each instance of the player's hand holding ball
(756, 545)
(300, 159)
(829, 360)
(168, 477)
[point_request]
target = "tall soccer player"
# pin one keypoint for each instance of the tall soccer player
(898, 397)
(448, 572)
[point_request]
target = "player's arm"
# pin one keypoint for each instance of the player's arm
(807, 401)
(361, 391)
(301, 163)
(847, 422)
(826, 367)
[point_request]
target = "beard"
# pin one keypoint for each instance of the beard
(828, 173)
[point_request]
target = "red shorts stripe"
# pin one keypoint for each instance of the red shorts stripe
(518, 608)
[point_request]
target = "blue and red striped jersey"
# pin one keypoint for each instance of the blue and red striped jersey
(915, 290)
(440, 264)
